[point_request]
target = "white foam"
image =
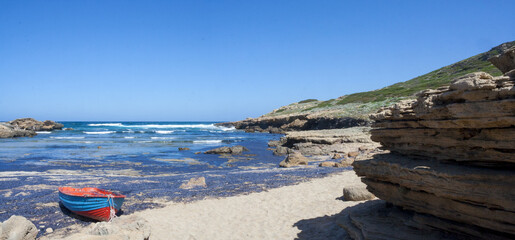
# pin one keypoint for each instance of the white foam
(128, 137)
(164, 132)
(106, 132)
(67, 137)
(162, 138)
(43, 132)
(106, 124)
(203, 126)
(207, 141)
(227, 128)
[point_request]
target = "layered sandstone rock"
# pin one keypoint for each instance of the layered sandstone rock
(326, 142)
(471, 121)
(452, 159)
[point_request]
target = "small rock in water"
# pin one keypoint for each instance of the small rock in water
(194, 182)
(227, 150)
(294, 159)
(183, 149)
(198, 152)
(281, 151)
(49, 230)
(99, 147)
(337, 156)
(346, 162)
(328, 164)
(274, 143)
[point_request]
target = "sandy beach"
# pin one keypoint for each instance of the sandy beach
(301, 211)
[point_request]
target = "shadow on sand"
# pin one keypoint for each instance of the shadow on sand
(321, 228)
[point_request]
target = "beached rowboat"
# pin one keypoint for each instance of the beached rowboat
(93, 203)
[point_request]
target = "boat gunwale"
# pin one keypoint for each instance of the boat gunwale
(100, 193)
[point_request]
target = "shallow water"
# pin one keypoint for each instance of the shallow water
(138, 159)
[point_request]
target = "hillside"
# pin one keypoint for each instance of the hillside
(360, 105)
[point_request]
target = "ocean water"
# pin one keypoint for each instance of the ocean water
(150, 144)
(138, 159)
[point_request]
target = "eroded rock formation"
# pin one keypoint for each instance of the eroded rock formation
(326, 142)
(35, 125)
(452, 160)
(9, 131)
(26, 127)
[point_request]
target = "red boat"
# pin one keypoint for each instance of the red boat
(98, 204)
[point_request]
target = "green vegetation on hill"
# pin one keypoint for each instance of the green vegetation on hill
(363, 103)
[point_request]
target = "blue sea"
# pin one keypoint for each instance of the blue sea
(139, 159)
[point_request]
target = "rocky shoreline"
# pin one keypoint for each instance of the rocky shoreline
(294, 122)
(444, 170)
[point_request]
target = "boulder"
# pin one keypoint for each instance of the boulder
(336, 156)
(294, 159)
(347, 162)
(280, 151)
(18, 228)
(274, 143)
(228, 150)
(125, 227)
(505, 62)
(357, 193)
(194, 182)
(353, 154)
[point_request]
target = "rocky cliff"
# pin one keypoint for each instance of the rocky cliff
(451, 164)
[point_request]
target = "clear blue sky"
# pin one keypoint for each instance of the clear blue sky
(224, 60)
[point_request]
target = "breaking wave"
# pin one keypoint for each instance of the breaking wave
(106, 124)
(105, 132)
(207, 141)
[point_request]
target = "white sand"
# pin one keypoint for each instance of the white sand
(299, 211)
